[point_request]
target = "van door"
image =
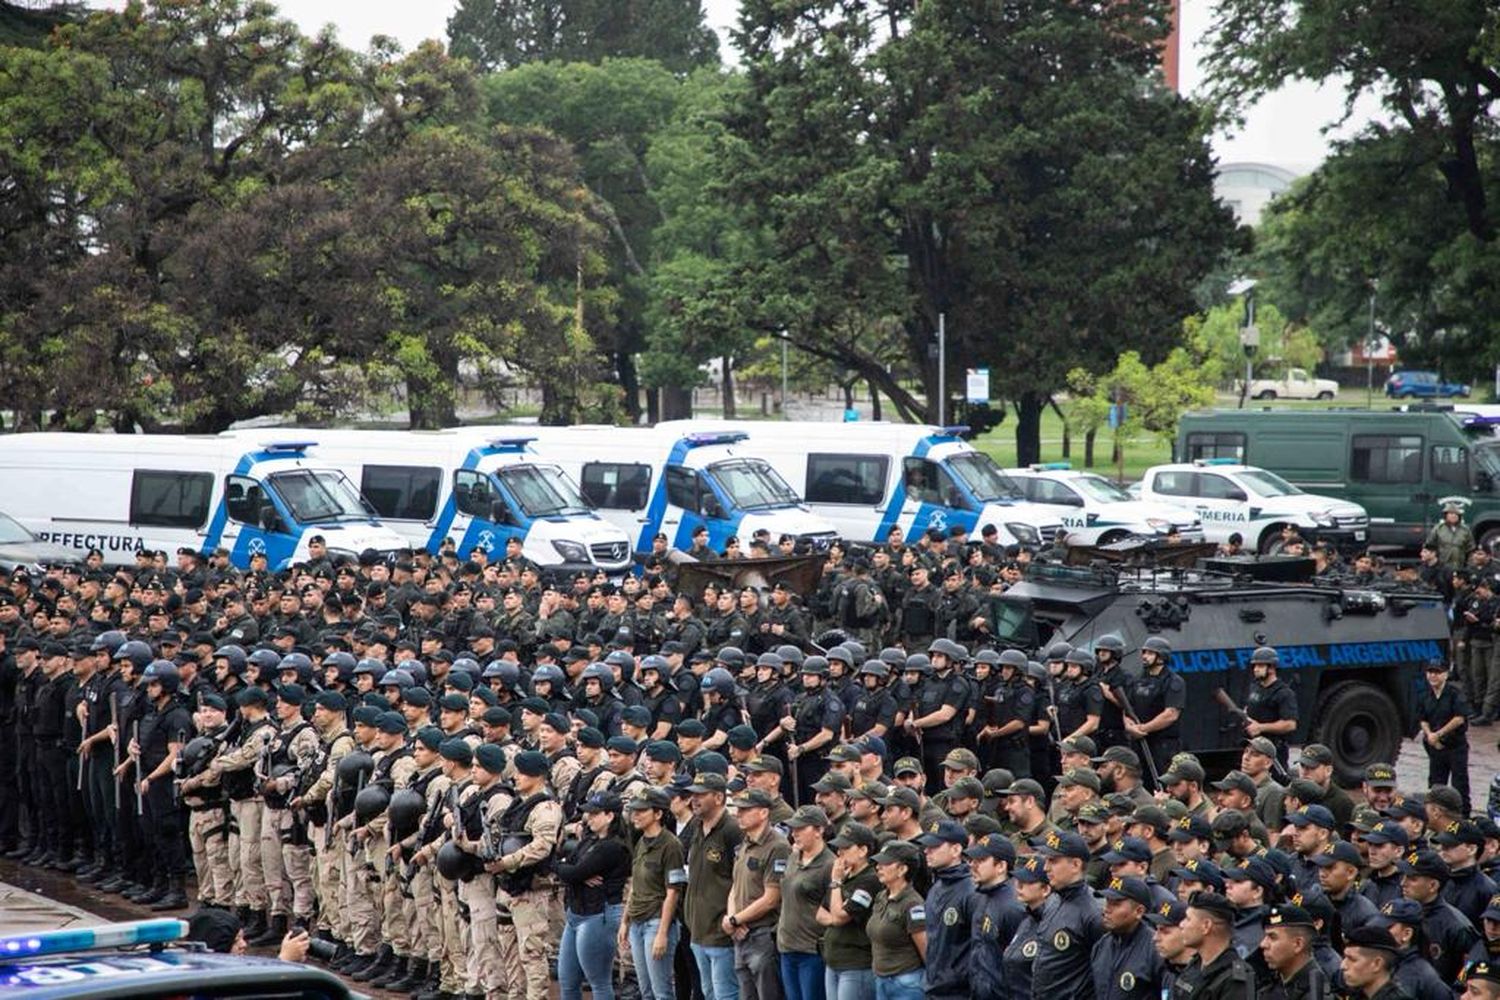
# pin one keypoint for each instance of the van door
(256, 523)
(1387, 476)
(483, 516)
(929, 498)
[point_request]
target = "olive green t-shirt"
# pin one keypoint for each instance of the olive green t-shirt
(710, 873)
(658, 865)
(802, 890)
(892, 923)
(759, 863)
(847, 946)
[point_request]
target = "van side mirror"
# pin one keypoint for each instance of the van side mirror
(270, 521)
(711, 506)
(500, 513)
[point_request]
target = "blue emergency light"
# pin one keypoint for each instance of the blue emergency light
(1052, 467)
(121, 935)
(511, 443)
(1479, 420)
(1217, 461)
(700, 438)
(297, 446)
(954, 430)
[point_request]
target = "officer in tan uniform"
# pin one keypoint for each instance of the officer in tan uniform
(208, 808)
(476, 835)
(359, 902)
(458, 758)
(531, 829)
(286, 862)
(334, 743)
(234, 769)
(431, 782)
(394, 769)
(553, 740)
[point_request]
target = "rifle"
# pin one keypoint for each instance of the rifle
(1222, 697)
(1145, 745)
(114, 720)
(1057, 733)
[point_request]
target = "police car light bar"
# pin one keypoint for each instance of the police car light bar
(715, 437)
(121, 935)
(511, 442)
(1216, 461)
(288, 445)
(1051, 466)
(956, 430)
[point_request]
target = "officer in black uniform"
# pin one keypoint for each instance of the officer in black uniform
(1158, 696)
(101, 694)
(1067, 932)
(1448, 933)
(721, 708)
(50, 764)
(134, 878)
(1216, 972)
(659, 695)
(1010, 712)
(768, 700)
(165, 728)
(1079, 702)
(939, 704)
(1125, 963)
(1109, 654)
(815, 720)
(873, 712)
(1442, 716)
(1271, 703)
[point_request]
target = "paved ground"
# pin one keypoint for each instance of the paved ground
(1484, 764)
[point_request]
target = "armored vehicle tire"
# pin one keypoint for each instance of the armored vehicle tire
(1489, 535)
(1361, 725)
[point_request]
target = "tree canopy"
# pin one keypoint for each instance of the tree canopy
(503, 34)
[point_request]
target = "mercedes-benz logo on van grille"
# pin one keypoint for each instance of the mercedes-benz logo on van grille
(617, 550)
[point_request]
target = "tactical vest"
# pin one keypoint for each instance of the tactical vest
(240, 785)
(385, 765)
(514, 837)
(420, 785)
(578, 791)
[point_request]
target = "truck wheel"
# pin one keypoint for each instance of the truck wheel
(1325, 395)
(1268, 538)
(1489, 536)
(1266, 394)
(1361, 725)
(1110, 537)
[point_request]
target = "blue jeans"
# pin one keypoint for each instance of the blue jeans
(906, 986)
(716, 971)
(653, 974)
(849, 984)
(588, 951)
(802, 975)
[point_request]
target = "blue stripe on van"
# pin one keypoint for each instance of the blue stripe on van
(450, 508)
(221, 513)
(657, 508)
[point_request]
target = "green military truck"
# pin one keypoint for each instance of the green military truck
(1401, 465)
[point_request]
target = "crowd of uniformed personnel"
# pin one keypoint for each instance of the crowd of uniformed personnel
(463, 779)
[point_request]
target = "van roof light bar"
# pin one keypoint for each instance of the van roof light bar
(700, 438)
(518, 443)
(288, 445)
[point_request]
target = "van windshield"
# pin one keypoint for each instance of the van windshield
(542, 490)
(983, 478)
(751, 483)
(1267, 484)
(317, 496)
(11, 531)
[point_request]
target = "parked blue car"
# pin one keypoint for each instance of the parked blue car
(1422, 385)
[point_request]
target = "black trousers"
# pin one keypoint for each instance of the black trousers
(1449, 766)
(99, 800)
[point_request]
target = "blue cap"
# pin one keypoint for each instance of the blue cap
(1127, 849)
(872, 744)
(1029, 869)
(1339, 850)
(944, 831)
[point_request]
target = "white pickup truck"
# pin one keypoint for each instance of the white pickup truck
(1295, 384)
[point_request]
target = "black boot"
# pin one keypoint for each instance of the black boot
(157, 892)
(272, 935)
(416, 975)
(433, 985)
(383, 959)
(175, 899)
(359, 963)
(255, 924)
(19, 851)
(395, 973)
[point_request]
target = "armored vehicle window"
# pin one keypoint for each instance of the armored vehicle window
(1450, 464)
(170, 499)
(1223, 444)
(616, 485)
(846, 478)
(1386, 458)
(1173, 484)
(401, 492)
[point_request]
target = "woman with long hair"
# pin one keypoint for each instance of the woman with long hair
(593, 874)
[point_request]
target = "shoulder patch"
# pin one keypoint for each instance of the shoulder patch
(860, 898)
(917, 914)
(778, 866)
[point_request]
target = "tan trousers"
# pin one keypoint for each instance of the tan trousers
(208, 835)
(250, 889)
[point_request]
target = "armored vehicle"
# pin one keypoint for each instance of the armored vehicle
(1353, 654)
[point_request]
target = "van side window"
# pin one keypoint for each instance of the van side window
(928, 482)
(682, 488)
(243, 499)
(401, 492)
(170, 499)
(846, 478)
(1214, 444)
(1173, 484)
(472, 494)
(1450, 464)
(1386, 458)
(615, 485)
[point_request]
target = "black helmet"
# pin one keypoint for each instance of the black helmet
(406, 809)
(790, 653)
(1058, 651)
(770, 660)
(300, 663)
(108, 642)
(371, 801)
(620, 658)
(163, 672)
(892, 656)
(195, 756)
(550, 673)
(1036, 671)
(857, 650)
(1110, 642)
(373, 667)
(731, 656)
(397, 678)
(137, 652)
(1013, 658)
(719, 681)
(658, 663)
(875, 668)
(1081, 657)
(841, 652)
(234, 655)
(1265, 654)
(598, 672)
(457, 865)
(986, 657)
(349, 776)
(815, 665)
(948, 648)
(920, 662)
(1156, 644)
(265, 659)
(343, 662)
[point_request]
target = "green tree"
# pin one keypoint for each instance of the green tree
(1282, 345)
(1012, 167)
(502, 34)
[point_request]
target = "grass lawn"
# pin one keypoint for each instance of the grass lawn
(1141, 450)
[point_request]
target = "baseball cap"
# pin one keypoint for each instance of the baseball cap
(844, 753)
(1387, 832)
(961, 758)
(1079, 744)
(1183, 769)
(1237, 780)
(833, 781)
(1262, 746)
(1201, 870)
(944, 831)
(1084, 776)
(1313, 815)
(708, 781)
(855, 834)
(1029, 869)
(900, 795)
(1403, 911)
(1315, 755)
(1255, 870)
(1461, 832)
(753, 798)
(992, 845)
(1130, 887)
(1168, 913)
(1339, 850)
(1127, 849)
(809, 816)
(1427, 864)
(1380, 775)
(1025, 786)
(906, 765)
(898, 850)
(1061, 845)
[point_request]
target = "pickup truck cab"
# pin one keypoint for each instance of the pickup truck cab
(1295, 384)
(1097, 512)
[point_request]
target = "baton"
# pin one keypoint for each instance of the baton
(135, 736)
(1141, 740)
(114, 720)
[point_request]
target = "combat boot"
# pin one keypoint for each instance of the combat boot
(416, 975)
(175, 899)
(383, 959)
(272, 935)
(394, 974)
(255, 924)
(157, 891)
(432, 988)
(359, 963)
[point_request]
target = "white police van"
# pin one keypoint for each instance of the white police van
(672, 481)
(1097, 511)
(122, 493)
(868, 477)
(1231, 497)
(480, 487)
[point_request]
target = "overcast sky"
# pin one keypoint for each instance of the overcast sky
(1284, 129)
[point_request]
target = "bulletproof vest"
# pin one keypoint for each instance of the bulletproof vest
(471, 813)
(240, 784)
(514, 837)
(420, 784)
(578, 791)
(917, 617)
(808, 713)
(385, 765)
(281, 744)
(846, 602)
